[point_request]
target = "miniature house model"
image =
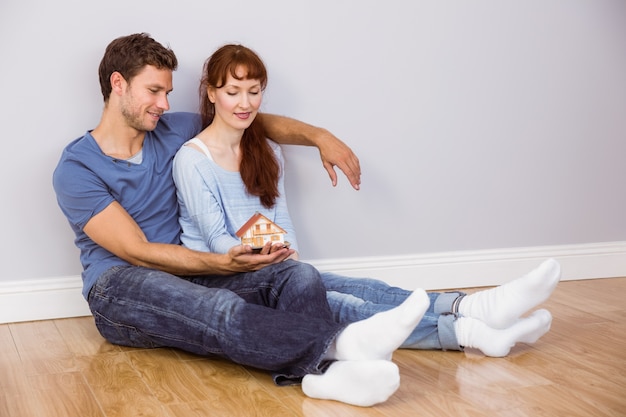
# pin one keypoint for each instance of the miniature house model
(259, 230)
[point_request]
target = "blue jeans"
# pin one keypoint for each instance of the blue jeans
(277, 319)
(354, 299)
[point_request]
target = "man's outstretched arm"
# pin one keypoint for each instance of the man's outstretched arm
(333, 152)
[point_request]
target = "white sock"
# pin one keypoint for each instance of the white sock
(473, 333)
(378, 336)
(362, 383)
(501, 306)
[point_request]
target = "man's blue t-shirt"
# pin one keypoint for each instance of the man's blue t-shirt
(86, 181)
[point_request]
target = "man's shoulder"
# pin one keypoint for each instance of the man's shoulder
(179, 120)
(79, 148)
(175, 128)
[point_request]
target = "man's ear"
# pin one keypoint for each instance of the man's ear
(118, 83)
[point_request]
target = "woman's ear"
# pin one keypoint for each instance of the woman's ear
(211, 93)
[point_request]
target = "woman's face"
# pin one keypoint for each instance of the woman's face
(237, 102)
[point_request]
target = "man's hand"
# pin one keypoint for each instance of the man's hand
(244, 260)
(334, 152)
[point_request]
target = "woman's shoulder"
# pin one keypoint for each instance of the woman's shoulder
(275, 147)
(189, 154)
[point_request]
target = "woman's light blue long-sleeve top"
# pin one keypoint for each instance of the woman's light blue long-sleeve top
(214, 203)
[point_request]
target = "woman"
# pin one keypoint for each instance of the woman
(236, 168)
(230, 171)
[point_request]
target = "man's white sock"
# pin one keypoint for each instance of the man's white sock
(501, 306)
(473, 333)
(378, 336)
(362, 383)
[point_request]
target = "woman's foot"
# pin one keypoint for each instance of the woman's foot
(501, 306)
(473, 333)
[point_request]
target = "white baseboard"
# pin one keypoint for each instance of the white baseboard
(52, 298)
(42, 299)
(463, 269)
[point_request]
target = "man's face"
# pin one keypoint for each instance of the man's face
(145, 98)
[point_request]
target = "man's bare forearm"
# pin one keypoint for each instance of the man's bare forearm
(333, 152)
(288, 131)
(179, 260)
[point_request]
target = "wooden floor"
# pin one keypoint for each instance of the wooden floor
(65, 368)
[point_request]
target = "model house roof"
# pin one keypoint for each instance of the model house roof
(258, 218)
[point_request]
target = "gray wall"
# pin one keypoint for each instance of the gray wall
(479, 124)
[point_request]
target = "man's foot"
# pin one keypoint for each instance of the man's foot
(362, 383)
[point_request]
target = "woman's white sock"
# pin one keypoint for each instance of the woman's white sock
(378, 336)
(474, 333)
(501, 306)
(362, 383)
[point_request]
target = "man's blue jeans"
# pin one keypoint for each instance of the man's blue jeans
(276, 319)
(354, 299)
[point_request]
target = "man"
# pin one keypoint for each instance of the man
(114, 185)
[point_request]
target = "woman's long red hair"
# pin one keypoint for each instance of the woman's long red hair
(258, 168)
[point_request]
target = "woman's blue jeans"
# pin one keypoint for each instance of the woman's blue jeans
(277, 319)
(354, 299)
